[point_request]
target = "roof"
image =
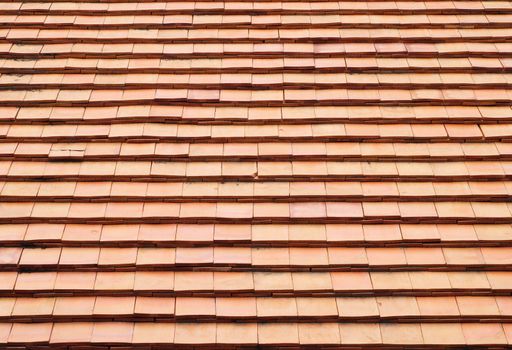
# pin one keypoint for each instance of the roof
(256, 174)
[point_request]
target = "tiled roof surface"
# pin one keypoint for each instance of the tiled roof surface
(208, 174)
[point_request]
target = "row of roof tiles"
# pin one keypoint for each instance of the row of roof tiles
(209, 234)
(472, 334)
(98, 97)
(471, 212)
(276, 191)
(337, 258)
(264, 170)
(371, 151)
(319, 49)
(269, 115)
(20, 35)
(411, 80)
(235, 65)
(257, 5)
(265, 308)
(276, 284)
(270, 132)
(239, 21)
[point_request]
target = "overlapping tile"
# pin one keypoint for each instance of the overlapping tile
(316, 174)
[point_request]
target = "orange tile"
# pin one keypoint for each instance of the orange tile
(30, 332)
(382, 232)
(161, 333)
(71, 332)
(401, 333)
(150, 280)
(162, 232)
(194, 255)
(11, 256)
(355, 306)
(308, 256)
(33, 306)
(115, 332)
(185, 280)
(119, 233)
(401, 306)
(235, 307)
(386, 256)
(381, 280)
(190, 333)
(353, 333)
(70, 306)
(156, 256)
(275, 307)
(13, 232)
(71, 280)
(154, 305)
(444, 333)
(232, 255)
(279, 333)
(317, 307)
(339, 209)
(36, 281)
(347, 256)
(476, 334)
(82, 232)
(351, 281)
(114, 281)
(327, 333)
(233, 333)
(477, 305)
(232, 232)
(117, 256)
(79, 256)
(380, 209)
(114, 305)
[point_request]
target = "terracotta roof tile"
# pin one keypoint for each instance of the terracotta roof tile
(26, 332)
(230, 174)
(162, 333)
